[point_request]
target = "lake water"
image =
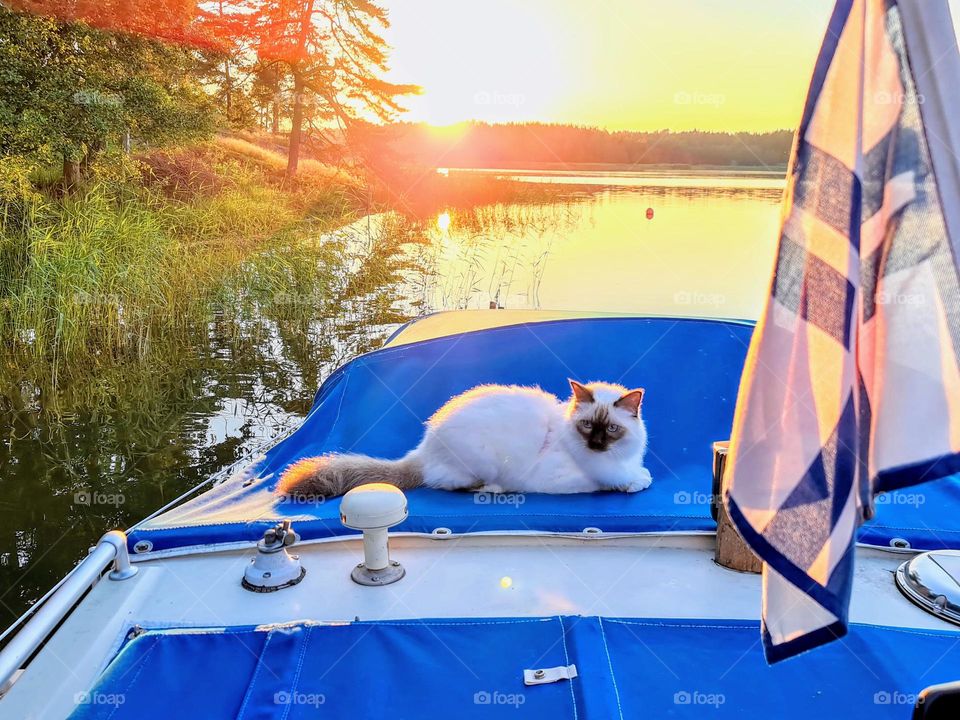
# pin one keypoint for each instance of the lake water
(67, 476)
(697, 245)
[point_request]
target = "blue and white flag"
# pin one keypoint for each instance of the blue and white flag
(852, 382)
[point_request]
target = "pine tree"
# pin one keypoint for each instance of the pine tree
(336, 57)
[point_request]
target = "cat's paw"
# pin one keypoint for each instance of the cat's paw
(492, 488)
(642, 482)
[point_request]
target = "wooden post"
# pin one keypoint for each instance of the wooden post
(731, 551)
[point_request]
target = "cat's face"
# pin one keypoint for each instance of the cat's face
(604, 415)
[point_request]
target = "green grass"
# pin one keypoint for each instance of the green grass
(105, 275)
(127, 274)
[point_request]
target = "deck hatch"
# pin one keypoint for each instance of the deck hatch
(932, 581)
(473, 668)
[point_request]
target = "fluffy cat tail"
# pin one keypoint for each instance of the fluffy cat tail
(331, 475)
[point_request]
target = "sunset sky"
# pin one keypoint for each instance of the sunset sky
(620, 64)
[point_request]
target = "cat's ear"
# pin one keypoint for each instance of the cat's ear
(581, 392)
(630, 401)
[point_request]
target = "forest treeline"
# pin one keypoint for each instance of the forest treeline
(478, 144)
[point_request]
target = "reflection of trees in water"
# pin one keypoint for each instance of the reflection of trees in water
(106, 449)
(202, 401)
(72, 470)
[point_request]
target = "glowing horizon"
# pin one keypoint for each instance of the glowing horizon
(639, 65)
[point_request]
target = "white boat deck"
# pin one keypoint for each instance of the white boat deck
(485, 576)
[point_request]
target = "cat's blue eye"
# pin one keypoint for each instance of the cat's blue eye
(586, 424)
(613, 427)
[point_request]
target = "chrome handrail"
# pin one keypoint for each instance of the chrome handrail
(64, 595)
(112, 548)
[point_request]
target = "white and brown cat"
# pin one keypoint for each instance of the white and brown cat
(506, 439)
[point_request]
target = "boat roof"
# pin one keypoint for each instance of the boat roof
(377, 404)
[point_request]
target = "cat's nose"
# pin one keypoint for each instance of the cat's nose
(594, 445)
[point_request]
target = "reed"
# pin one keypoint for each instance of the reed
(152, 259)
(103, 275)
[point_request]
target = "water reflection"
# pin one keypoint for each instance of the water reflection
(109, 450)
(764, 182)
(106, 451)
(706, 251)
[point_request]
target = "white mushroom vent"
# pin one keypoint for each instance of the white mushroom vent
(373, 509)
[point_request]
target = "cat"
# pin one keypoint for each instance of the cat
(505, 439)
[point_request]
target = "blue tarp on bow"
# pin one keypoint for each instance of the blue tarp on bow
(377, 403)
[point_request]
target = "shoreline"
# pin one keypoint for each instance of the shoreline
(533, 168)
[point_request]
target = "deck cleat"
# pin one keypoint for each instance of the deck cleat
(274, 568)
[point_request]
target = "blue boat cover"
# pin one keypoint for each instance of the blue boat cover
(626, 668)
(377, 404)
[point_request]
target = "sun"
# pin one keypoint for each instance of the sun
(637, 65)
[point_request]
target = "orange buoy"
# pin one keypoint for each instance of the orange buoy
(649, 213)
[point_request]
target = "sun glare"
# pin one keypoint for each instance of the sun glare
(449, 133)
(640, 65)
(443, 221)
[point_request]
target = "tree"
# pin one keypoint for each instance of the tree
(266, 93)
(177, 22)
(336, 58)
(229, 65)
(68, 90)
